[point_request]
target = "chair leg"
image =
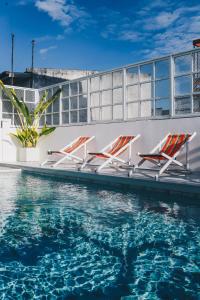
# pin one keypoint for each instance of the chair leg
(44, 163)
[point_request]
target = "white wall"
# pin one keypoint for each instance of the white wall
(152, 131)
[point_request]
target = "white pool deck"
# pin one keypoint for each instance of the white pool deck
(144, 180)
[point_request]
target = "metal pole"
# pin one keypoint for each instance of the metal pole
(32, 64)
(12, 58)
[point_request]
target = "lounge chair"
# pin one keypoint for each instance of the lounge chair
(166, 152)
(69, 151)
(110, 154)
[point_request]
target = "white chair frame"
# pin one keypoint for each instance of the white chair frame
(113, 158)
(71, 156)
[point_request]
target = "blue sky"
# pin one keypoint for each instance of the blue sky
(96, 35)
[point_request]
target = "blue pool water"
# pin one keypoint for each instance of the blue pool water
(62, 240)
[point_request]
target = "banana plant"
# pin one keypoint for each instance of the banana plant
(29, 133)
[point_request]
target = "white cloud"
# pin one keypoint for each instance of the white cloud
(63, 11)
(44, 51)
(162, 20)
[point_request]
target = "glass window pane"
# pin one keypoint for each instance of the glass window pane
(95, 114)
(146, 90)
(146, 72)
(31, 107)
(196, 57)
(48, 119)
(95, 99)
(162, 107)
(65, 117)
(106, 113)
(49, 93)
(117, 112)
(65, 104)
(74, 116)
(83, 115)
(82, 101)
(56, 119)
(183, 85)
(106, 97)
(132, 75)
(95, 83)
(183, 64)
(132, 93)
(196, 103)
(117, 78)
(16, 120)
(162, 69)
(132, 110)
(56, 105)
(49, 109)
(117, 96)
(65, 90)
(182, 105)
(7, 116)
(83, 87)
(162, 89)
(74, 88)
(106, 81)
(73, 103)
(146, 108)
(20, 94)
(29, 96)
(4, 95)
(42, 120)
(196, 82)
(7, 106)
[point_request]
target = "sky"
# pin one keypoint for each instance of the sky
(95, 34)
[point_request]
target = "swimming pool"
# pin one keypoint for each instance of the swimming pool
(72, 241)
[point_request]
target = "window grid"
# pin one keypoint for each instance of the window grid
(117, 93)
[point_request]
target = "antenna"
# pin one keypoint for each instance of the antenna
(32, 62)
(12, 58)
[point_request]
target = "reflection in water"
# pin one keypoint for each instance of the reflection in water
(76, 241)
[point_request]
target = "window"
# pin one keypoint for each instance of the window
(183, 85)
(183, 64)
(82, 101)
(162, 88)
(132, 93)
(106, 113)
(65, 117)
(117, 96)
(74, 88)
(132, 110)
(146, 91)
(106, 97)
(83, 115)
(196, 83)
(106, 81)
(95, 83)
(146, 108)
(95, 99)
(196, 103)
(117, 78)
(95, 114)
(117, 112)
(162, 107)
(182, 105)
(162, 69)
(132, 75)
(146, 72)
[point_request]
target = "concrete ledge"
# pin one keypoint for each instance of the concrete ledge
(171, 185)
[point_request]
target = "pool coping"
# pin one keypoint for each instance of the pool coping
(171, 186)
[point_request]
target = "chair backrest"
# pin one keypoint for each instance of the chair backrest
(121, 143)
(78, 142)
(174, 143)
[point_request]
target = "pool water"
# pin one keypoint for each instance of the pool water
(62, 240)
